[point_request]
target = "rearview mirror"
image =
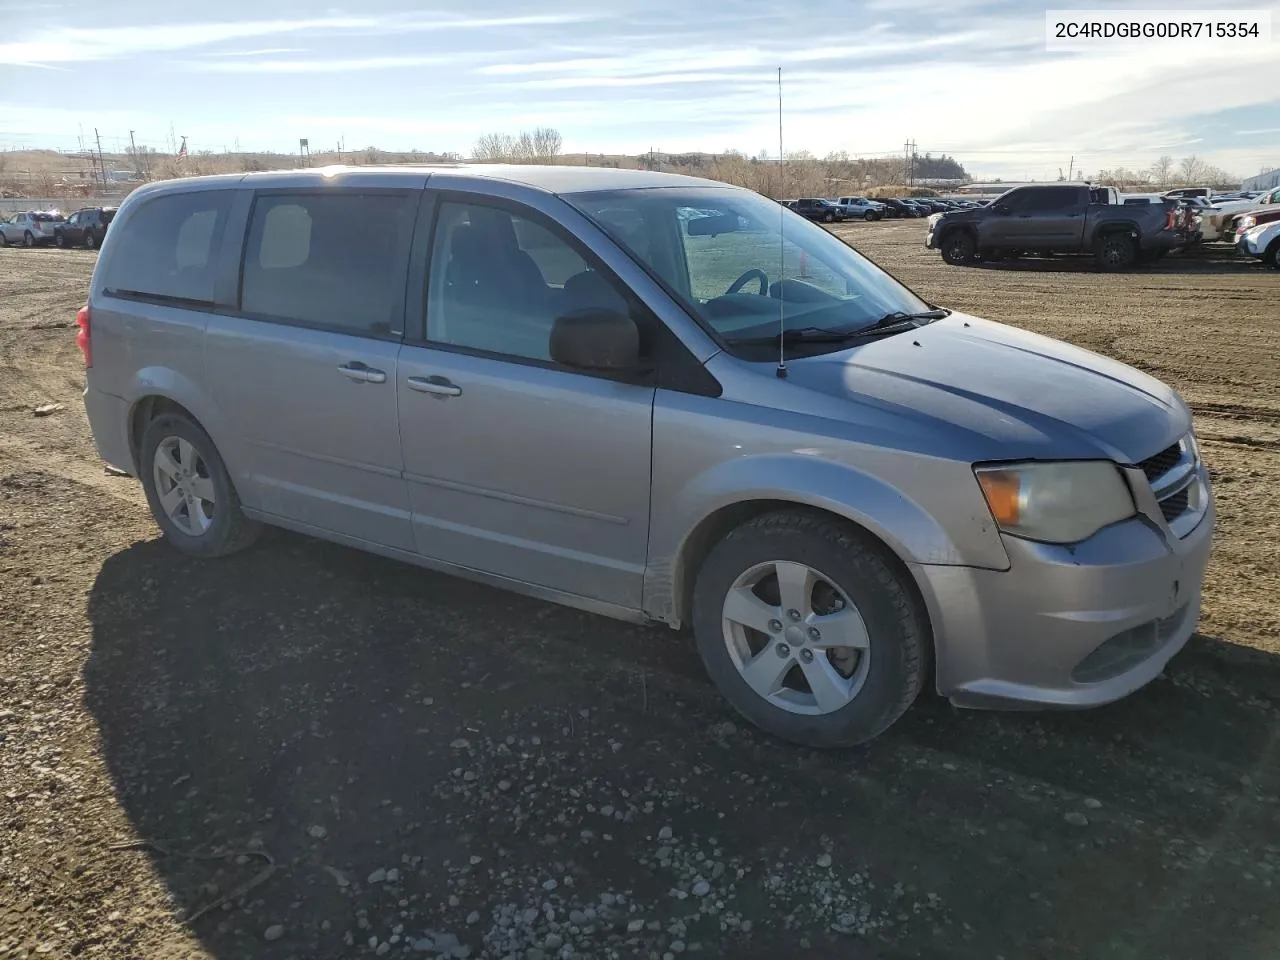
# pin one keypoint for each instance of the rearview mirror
(596, 339)
(711, 226)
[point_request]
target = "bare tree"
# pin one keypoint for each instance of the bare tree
(547, 143)
(495, 147)
(1162, 171)
(1191, 170)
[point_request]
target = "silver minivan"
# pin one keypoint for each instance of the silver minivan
(658, 398)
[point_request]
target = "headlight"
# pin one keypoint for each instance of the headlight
(934, 218)
(1056, 502)
(1248, 222)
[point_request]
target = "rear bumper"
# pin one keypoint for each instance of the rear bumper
(1168, 239)
(109, 422)
(1067, 627)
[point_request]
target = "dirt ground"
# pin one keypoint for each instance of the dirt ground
(308, 752)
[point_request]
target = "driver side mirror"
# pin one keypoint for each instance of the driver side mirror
(596, 339)
(1002, 209)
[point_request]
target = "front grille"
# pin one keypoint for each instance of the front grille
(1164, 461)
(1175, 505)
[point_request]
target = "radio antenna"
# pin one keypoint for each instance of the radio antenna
(782, 244)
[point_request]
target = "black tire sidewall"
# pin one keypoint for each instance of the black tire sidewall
(873, 586)
(90, 241)
(218, 539)
(28, 239)
(1127, 260)
(957, 238)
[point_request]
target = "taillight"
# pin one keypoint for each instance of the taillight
(82, 335)
(1170, 220)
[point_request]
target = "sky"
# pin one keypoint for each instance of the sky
(971, 78)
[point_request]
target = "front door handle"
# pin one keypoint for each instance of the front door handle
(437, 386)
(359, 372)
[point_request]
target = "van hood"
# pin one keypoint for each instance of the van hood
(995, 392)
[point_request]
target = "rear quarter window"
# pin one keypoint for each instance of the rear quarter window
(168, 247)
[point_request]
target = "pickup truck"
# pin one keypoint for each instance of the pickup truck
(1061, 218)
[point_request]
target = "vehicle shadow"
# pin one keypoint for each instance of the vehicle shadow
(1212, 259)
(345, 714)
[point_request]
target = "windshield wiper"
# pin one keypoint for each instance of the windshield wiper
(898, 317)
(800, 335)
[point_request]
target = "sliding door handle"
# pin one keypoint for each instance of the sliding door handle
(361, 373)
(436, 386)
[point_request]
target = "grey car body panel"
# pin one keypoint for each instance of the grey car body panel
(591, 491)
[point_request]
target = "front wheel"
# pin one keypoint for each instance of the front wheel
(60, 241)
(828, 217)
(28, 240)
(1116, 251)
(958, 248)
(809, 630)
(1272, 255)
(90, 241)
(189, 490)
(873, 216)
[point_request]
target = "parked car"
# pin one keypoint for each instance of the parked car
(910, 208)
(551, 380)
(1183, 193)
(1263, 242)
(1262, 209)
(861, 208)
(1062, 218)
(896, 208)
(30, 229)
(84, 228)
(816, 208)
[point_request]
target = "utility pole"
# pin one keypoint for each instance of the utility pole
(1071, 168)
(102, 166)
(133, 148)
(909, 154)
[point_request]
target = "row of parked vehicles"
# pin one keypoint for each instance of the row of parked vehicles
(84, 228)
(864, 208)
(1119, 230)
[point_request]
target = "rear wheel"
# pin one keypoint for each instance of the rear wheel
(958, 248)
(60, 240)
(809, 630)
(189, 490)
(90, 241)
(1116, 251)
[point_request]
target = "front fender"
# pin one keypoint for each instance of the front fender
(903, 525)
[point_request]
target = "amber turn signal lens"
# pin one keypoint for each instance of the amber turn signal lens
(1001, 488)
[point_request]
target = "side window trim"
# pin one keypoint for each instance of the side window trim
(682, 375)
(231, 268)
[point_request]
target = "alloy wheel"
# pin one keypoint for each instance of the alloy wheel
(184, 486)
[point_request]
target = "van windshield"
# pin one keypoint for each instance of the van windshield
(731, 254)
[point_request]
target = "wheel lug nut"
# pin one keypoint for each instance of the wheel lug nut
(793, 614)
(814, 634)
(806, 656)
(775, 625)
(784, 650)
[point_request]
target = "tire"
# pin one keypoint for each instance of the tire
(228, 531)
(828, 217)
(865, 692)
(873, 216)
(90, 241)
(4, 241)
(1116, 251)
(958, 248)
(60, 241)
(27, 239)
(1271, 257)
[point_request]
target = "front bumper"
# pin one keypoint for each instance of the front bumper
(1069, 626)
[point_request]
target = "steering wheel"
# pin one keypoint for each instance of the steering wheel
(752, 274)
